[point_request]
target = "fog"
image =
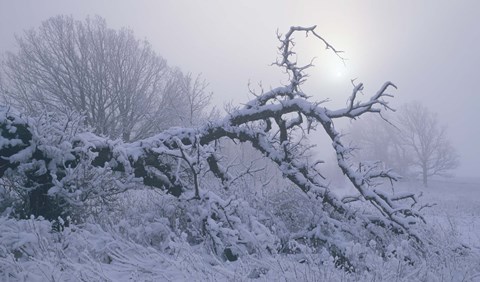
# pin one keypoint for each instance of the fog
(428, 49)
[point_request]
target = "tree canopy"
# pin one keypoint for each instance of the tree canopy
(122, 87)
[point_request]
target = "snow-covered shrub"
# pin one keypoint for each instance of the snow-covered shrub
(224, 228)
(68, 182)
(48, 135)
(30, 251)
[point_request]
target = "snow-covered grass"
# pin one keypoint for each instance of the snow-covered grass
(136, 243)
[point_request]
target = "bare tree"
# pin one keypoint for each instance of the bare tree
(421, 132)
(118, 82)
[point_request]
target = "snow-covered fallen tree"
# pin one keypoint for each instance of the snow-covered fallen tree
(277, 123)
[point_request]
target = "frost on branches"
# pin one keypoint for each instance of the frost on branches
(277, 123)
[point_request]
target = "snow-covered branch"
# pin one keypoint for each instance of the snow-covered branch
(269, 122)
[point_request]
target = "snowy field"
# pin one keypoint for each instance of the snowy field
(456, 205)
(99, 252)
(457, 209)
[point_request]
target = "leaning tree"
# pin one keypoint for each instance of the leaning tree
(276, 123)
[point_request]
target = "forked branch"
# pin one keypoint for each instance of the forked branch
(269, 122)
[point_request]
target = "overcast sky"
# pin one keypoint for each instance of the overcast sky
(430, 49)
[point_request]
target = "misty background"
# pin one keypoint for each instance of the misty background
(429, 49)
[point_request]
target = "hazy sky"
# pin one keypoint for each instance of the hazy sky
(430, 49)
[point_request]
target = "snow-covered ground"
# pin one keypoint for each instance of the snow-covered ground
(29, 251)
(457, 208)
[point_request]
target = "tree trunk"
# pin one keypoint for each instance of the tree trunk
(424, 173)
